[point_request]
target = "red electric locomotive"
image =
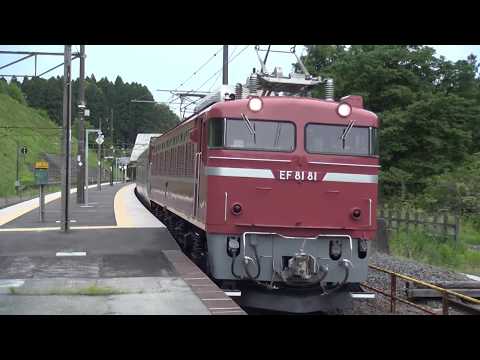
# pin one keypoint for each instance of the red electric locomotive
(274, 196)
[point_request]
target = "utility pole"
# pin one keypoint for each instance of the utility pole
(113, 142)
(87, 131)
(17, 182)
(111, 119)
(225, 65)
(99, 161)
(67, 122)
(81, 132)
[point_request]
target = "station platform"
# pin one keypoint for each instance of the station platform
(116, 259)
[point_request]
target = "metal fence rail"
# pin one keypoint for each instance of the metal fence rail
(32, 191)
(26, 193)
(445, 224)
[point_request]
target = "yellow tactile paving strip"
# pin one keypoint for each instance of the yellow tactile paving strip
(58, 228)
(12, 212)
(119, 207)
(129, 212)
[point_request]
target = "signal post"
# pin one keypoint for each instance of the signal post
(41, 178)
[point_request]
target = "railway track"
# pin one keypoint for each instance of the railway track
(417, 292)
(408, 295)
(393, 293)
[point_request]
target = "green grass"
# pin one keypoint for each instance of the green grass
(12, 113)
(436, 250)
(92, 290)
(469, 233)
(37, 140)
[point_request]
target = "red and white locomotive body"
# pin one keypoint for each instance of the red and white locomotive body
(281, 194)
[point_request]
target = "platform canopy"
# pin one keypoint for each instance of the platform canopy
(141, 143)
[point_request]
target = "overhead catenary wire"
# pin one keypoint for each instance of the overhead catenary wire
(229, 61)
(193, 74)
(218, 76)
(213, 83)
(217, 72)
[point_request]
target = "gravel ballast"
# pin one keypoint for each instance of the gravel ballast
(380, 280)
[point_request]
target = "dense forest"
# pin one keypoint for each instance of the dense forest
(104, 99)
(429, 111)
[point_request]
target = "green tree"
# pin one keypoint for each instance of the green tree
(429, 108)
(14, 91)
(101, 98)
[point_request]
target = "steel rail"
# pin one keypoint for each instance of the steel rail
(431, 286)
(399, 299)
(393, 289)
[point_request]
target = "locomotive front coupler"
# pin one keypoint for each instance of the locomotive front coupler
(303, 269)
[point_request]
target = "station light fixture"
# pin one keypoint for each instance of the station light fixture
(255, 104)
(344, 109)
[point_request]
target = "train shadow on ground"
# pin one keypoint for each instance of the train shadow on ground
(252, 311)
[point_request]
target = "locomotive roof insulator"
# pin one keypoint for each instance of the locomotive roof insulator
(329, 90)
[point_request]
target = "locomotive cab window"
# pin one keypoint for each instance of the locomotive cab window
(252, 135)
(341, 140)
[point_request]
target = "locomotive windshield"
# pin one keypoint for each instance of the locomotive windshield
(266, 135)
(332, 139)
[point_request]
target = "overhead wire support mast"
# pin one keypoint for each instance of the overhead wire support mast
(66, 146)
(68, 57)
(182, 95)
(225, 65)
(34, 54)
(81, 131)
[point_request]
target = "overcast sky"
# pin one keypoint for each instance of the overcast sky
(167, 66)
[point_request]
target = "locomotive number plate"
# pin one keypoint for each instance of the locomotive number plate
(298, 175)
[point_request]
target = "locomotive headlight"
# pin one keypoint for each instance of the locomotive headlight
(344, 109)
(255, 104)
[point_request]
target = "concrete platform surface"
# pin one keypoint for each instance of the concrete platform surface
(92, 241)
(93, 266)
(116, 259)
(116, 296)
(12, 216)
